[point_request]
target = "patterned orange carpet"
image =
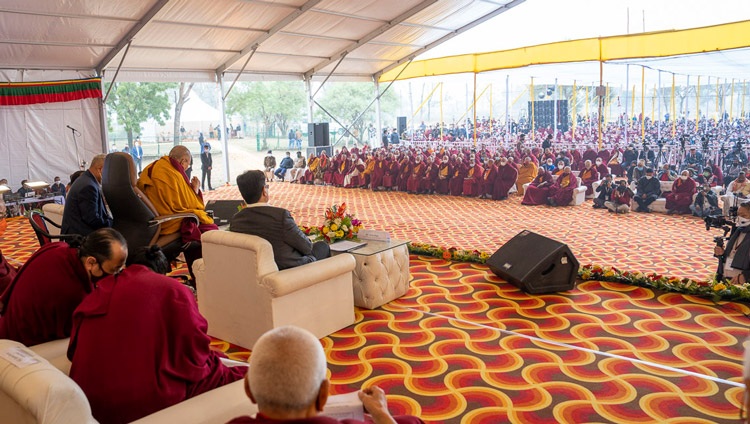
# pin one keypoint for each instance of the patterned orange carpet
(669, 245)
(463, 346)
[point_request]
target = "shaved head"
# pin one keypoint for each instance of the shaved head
(179, 152)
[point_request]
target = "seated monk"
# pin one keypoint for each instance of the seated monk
(488, 179)
(166, 185)
(366, 176)
(527, 172)
(429, 178)
(441, 185)
(287, 380)
(378, 172)
(416, 173)
(473, 177)
(589, 175)
(312, 167)
(38, 305)
(504, 179)
(681, 196)
(537, 192)
(601, 168)
(561, 192)
(139, 344)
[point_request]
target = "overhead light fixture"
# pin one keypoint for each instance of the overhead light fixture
(36, 185)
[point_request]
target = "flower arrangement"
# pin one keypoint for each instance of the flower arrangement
(448, 253)
(338, 225)
(712, 289)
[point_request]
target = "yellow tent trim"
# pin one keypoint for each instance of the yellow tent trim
(654, 44)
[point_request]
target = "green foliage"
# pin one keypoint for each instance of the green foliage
(346, 101)
(272, 102)
(136, 102)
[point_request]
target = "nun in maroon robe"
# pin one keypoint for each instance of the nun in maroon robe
(38, 305)
(139, 345)
(505, 179)
(561, 192)
(681, 196)
(536, 192)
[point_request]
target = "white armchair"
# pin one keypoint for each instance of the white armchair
(242, 293)
(54, 212)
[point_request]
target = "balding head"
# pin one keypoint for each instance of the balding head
(287, 371)
(96, 167)
(179, 152)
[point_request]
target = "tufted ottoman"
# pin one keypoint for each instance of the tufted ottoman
(381, 274)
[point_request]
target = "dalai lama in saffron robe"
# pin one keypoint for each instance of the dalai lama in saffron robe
(139, 345)
(166, 185)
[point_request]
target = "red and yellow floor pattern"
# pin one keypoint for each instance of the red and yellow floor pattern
(463, 346)
(667, 245)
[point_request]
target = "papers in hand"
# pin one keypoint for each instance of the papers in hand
(346, 406)
(346, 245)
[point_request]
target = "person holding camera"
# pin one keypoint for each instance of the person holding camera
(604, 193)
(621, 197)
(737, 189)
(706, 202)
(736, 254)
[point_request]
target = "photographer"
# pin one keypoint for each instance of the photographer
(737, 189)
(706, 203)
(605, 193)
(621, 198)
(736, 255)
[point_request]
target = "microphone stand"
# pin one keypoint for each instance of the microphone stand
(81, 164)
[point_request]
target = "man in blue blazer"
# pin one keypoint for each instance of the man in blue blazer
(85, 210)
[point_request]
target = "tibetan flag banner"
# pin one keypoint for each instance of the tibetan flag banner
(29, 93)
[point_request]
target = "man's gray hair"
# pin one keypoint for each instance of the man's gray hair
(287, 367)
(98, 160)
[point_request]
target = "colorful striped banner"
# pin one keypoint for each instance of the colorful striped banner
(29, 93)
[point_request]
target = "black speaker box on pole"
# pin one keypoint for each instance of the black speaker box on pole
(535, 264)
(317, 134)
(401, 125)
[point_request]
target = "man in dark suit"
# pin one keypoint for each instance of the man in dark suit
(206, 166)
(648, 189)
(291, 247)
(85, 210)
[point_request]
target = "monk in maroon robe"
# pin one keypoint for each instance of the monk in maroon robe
(588, 176)
(429, 179)
(505, 179)
(327, 168)
(344, 166)
(38, 305)
(458, 173)
(7, 272)
(601, 168)
(416, 173)
(473, 178)
(537, 192)
(589, 154)
(443, 176)
(391, 174)
(562, 191)
(404, 171)
(139, 345)
(681, 196)
(381, 166)
(487, 184)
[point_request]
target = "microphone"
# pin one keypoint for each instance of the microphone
(73, 129)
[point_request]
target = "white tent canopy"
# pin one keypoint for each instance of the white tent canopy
(193, 40)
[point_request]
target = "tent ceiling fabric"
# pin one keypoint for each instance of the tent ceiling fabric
(193, 39)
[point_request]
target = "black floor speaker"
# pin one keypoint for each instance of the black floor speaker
(535, 264)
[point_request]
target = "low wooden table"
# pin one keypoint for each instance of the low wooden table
(381, 274)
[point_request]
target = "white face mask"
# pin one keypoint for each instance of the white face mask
(743, 222)
(683, 177)
(648, 177)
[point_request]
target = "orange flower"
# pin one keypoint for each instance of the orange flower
(446, 255)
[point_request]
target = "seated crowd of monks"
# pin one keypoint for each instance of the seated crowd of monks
(495, 174)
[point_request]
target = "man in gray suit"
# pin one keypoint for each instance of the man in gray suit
(291, 247)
